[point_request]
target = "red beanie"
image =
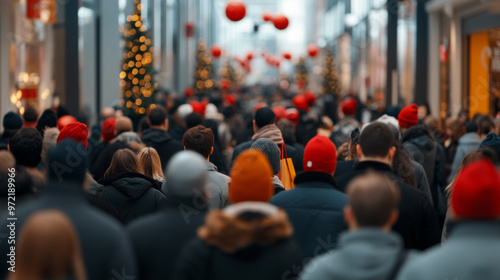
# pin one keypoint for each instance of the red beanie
(476, 193)
(408, 117)
(320, 155)
(108, 129)
(198, 107)
(258, 106)
(349, 106)
(300, 103)
(293, 115)
(76, 131)
(279, 112)
(230, 100)
(251, 178)
(310, 97)
(65, 120)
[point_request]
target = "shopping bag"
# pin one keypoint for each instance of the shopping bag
(287, 172)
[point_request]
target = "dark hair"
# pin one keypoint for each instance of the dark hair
(372, 197)
(199, 139)
(124, 161)
(402, 167)
(471, 127)
(376, 140)
(26, 146)
(30, 115)
(194, 119)
(264, 116)
(47, 119)
(485, 124)
(353, 141)
(143, 124)
(157, 116)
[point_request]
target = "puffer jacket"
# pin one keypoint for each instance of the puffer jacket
(315, 209)
(132, 194)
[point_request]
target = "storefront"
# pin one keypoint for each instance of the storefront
(465, 49)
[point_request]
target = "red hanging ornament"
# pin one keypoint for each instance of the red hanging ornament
(235, 10)
(280, 21)
(312, 50)
(216, 51)
(287, 55)
(189, 29)
(266, 16)
(249, 56)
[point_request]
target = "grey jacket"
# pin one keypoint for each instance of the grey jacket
(367, 253)
(470, 253)
(218, 185)
(466, 144)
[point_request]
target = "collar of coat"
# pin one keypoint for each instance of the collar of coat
(375, 165)
(314, 177)
(245, 224)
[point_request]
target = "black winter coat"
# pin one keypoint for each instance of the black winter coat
(132, 194)
(316, 210)
(417, 223)
(106, 249)
(159, 238)
(163, 143)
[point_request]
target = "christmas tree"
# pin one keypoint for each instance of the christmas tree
(227, 75)
(203, 81)
(301, 73)
(138, 87)
(331, 83)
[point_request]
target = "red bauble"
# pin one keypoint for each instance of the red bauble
(235, 10)
(243, 63)
(277, 63)
(280, 21)
(312, 50)
(216, 50)
(287, 55)
(224, 84)
(249, 56)
(266, 16)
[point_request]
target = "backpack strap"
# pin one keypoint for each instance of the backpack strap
(403, 254)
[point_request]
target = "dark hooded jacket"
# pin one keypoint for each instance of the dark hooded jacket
(243, 244)
(163, 143)
(132, 194)
(419, 144)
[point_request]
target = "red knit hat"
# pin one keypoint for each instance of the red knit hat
(65, 120)
(349, 106)
(198, 107)
(320, 155)
(251, 178)
(300, 102)
(76, 131)
(279, 112)
(258, 106)
(230, 100)
(293, 115)
(408, 116)
(108, 129)
(476, 193)
(310, 97)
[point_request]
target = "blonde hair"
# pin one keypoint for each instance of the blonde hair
(151, 164)
(48, 249)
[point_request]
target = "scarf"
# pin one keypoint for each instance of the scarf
(271, 132)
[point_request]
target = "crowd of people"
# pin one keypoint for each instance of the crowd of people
(244, 186)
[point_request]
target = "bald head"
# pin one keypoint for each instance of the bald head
(373, 200)
(181, 183)
(107, 112)
(123, 124)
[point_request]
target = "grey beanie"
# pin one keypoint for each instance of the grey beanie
(271, 150)
(186, 175)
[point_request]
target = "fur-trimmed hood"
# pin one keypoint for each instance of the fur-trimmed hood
(231, 229)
